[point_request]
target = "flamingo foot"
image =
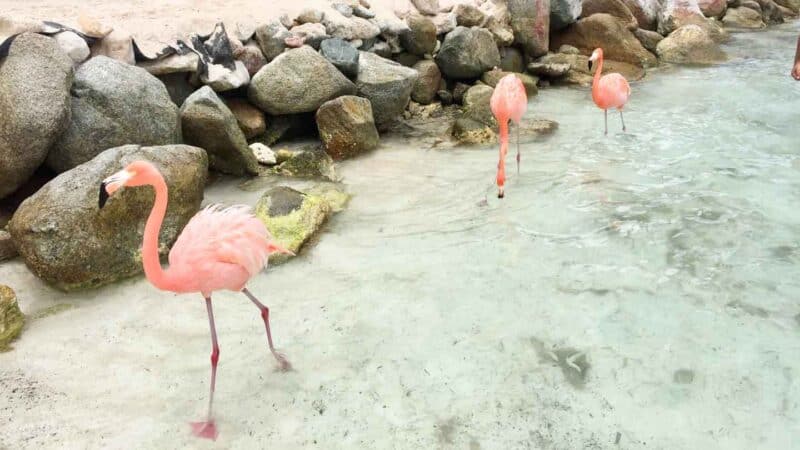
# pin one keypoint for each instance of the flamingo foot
(501, 193)
(283, 364)
(205, 430)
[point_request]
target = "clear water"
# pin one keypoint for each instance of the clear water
(433, 315)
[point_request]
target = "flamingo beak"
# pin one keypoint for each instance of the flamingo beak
(111, 185)
(590, 64)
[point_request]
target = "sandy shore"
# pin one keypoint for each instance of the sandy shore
(164, 21)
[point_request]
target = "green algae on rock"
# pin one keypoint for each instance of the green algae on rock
(11, 318)
(293, 217)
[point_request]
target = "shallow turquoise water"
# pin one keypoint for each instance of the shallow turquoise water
(433, 315)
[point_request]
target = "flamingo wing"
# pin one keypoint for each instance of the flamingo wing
(509, 98)
(223, 236)
(615, 89)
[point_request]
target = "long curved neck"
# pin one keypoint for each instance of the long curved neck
(150, 259)
(596, 79)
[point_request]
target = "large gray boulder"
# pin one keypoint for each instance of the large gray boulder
(690, 44)
(341, 54)
(564, 13)
(346, 126)
(297, 81)
(467, 52)
(609, 33)
(386, 84)
(209, 124)
(530, 21)
(35, 79)
(65, 240)
(114, 104)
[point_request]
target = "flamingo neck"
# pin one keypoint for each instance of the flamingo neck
(501, 165)
(596, 79)
(150, 259)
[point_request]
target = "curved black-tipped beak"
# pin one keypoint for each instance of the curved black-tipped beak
(103, 196)
(590, 64)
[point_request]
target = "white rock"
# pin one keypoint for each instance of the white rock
(221, 79)
(117, 45)
(264, 155)
(73, 45)
(445, 22)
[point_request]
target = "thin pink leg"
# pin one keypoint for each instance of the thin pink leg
(283, 363)
(208, 428)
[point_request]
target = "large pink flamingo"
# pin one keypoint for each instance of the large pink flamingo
(219, 249)
(610, 90)
(509, 102)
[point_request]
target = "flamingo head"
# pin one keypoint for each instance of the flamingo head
(137, 173)
(596, 54)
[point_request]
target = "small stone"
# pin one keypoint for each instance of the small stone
(73, 45)
(222, 79)
(172, 64)
(11, 318)
(342, 55)
(428, 7)
(92, 27)
(362, 12)
(343, 9)
(250, 119)
(264, 155)
(427, 83)
(381, 49)
(346, 127)
(420, 39)
(649, 39)
(310, 15)
(511, 60)
(311, 163)
(313, 34)
(683, 376)
(250, 55)
(458, 92)
(7, 248)
(444, 23)
(468, 15)
(271, 38)
(117, 45)
(445, 96)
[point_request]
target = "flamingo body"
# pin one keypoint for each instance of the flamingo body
(219, 249)
(509, 102)
(610, 91)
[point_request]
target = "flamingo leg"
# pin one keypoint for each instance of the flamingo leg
(622, 119)
(282, 361)
(605, 111)
(208, 429)
(518, 148)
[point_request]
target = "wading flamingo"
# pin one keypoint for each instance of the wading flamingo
(219, 249)
(610, 90)
(509, 102)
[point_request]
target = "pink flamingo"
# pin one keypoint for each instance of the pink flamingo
(509, 102)
(218, 249)
(610, 90)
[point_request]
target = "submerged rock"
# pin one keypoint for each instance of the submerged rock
(35, 79)
(690, 44)
(209, 124)
(606, 31)
(309, 163)
(346, 127)
(114, 104)
(386, 84)
(467, 52)
(293, 217)
(65, 240)
(11, 318)
(297, 81)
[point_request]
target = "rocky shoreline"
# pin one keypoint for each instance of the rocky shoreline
(79, 102)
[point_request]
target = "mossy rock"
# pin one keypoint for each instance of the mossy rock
(294, 217)
(308, 163)
(11, 318)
